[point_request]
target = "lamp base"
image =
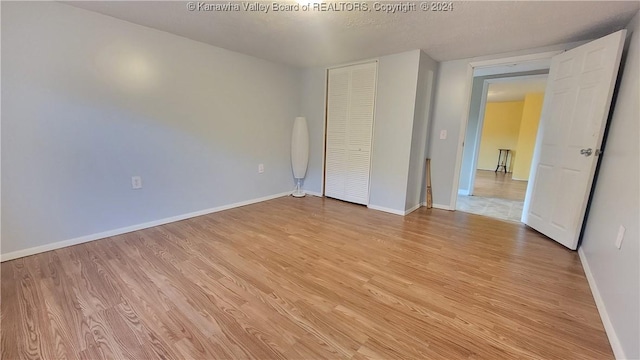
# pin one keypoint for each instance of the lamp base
(298, 192)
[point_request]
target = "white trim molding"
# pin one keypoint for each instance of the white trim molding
(386, 209)
(128, 229)
(438, 206)
(481, 64)
(313, 193)
(618, 351)
(395, 211)
(412, 209)
(442, 207)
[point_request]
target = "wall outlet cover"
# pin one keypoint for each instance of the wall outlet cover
(136, 182)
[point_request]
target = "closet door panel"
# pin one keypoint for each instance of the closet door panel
(336, 173)
(336, 148)
(357, 179)
(350, 110)
(361, 107)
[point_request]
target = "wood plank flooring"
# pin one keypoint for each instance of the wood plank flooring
(306, 278)
(498, 185)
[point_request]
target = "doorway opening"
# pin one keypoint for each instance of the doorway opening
(577, 101)
(499, 143)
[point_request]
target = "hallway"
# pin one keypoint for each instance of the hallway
(495, 195)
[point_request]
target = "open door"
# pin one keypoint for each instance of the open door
(572, 124)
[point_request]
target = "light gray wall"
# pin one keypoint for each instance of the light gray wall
(395, 105)
(615, 202)
(313, 104)
(424, 97)
(450, 96)
(89, 100)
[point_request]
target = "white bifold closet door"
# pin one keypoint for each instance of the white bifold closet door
(350, 107)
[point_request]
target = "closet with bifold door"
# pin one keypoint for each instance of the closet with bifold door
(351, 93)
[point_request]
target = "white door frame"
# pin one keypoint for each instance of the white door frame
(471, 67)
(483, 106)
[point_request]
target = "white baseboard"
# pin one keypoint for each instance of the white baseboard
(128, 229)
(618, 352)
(312, 193)
(385, 209)
(394, 211)
(463, 192)
(441, 207)
(412, 209)
(437, 206)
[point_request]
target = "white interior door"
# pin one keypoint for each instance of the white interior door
(572, 124)
(350, 108)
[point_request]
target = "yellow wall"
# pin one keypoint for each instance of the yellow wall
(500, 130)
(527, 137)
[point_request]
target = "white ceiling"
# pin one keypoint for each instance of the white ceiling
(311, 38)
(515, 90)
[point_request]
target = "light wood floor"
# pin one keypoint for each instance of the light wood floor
(498, 185)
(306, 278)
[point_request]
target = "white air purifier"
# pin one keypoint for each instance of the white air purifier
(299, 152)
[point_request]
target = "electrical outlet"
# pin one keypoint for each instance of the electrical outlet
(136, 182)
(443, 134)
(621, 231)
(260, 168)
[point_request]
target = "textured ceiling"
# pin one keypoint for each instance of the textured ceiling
(319, 38)
(515, 90)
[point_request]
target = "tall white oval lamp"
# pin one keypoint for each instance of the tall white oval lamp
(299, 152)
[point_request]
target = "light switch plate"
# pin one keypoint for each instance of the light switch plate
(136, 182)
(443, 134)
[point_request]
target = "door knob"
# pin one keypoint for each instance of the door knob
(586, 152)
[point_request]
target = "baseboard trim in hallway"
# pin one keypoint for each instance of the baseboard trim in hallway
(618, 352)
(128, 229)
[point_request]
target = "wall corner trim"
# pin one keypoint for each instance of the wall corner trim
(442, 207)
(128, 229)
(386, 209)
(437, 206)
(395, 211)
(618, 352)
(412, 209)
